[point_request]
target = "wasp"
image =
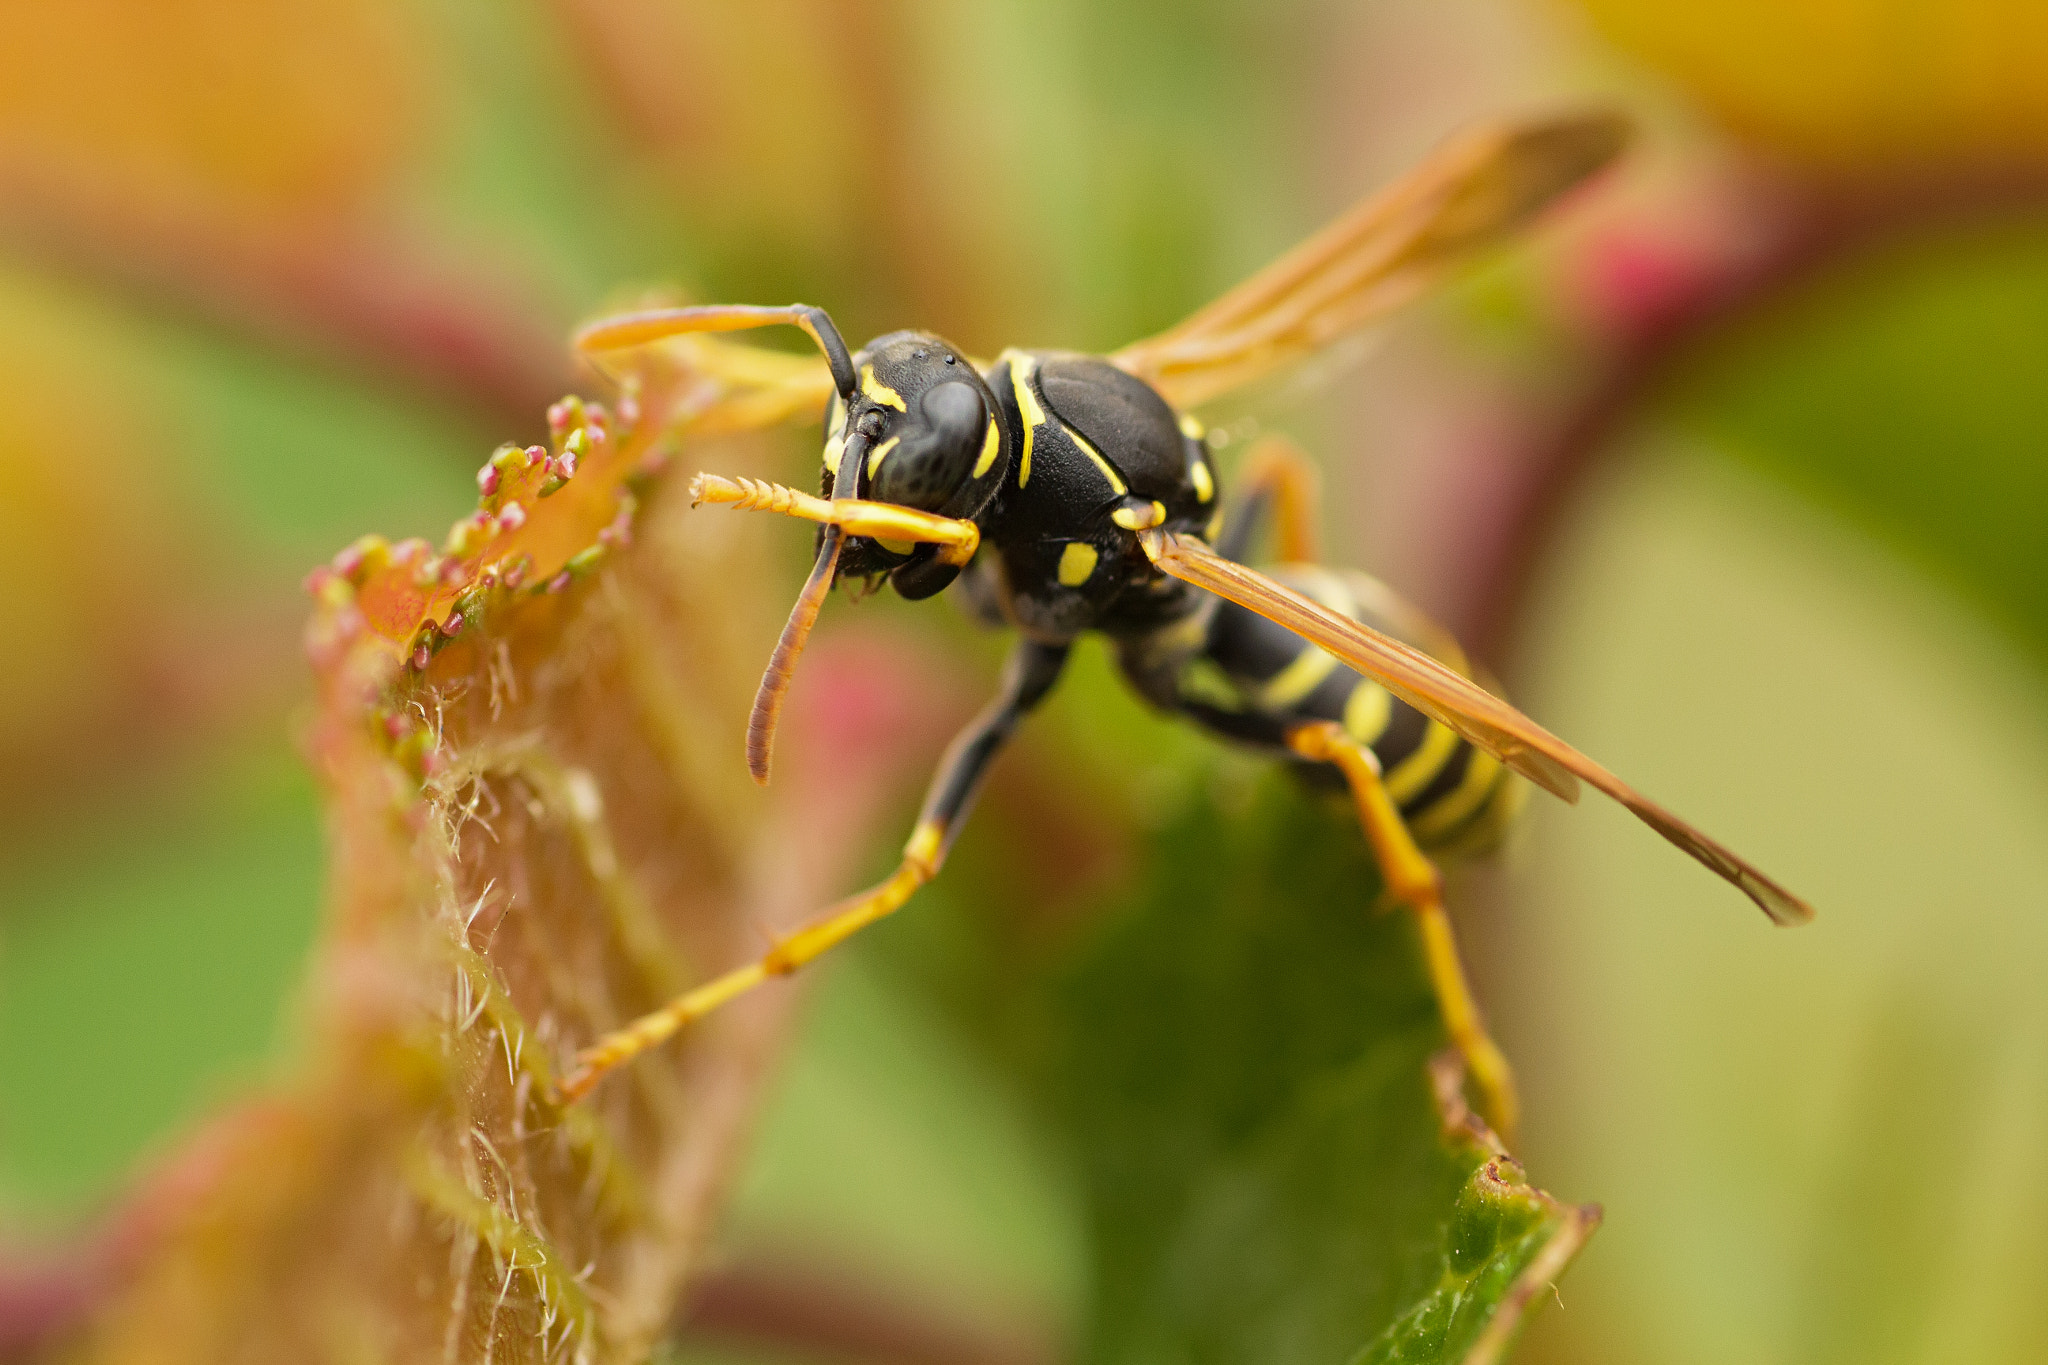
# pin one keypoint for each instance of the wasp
(1062, 493)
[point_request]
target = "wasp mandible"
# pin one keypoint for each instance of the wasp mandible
(1065, 493)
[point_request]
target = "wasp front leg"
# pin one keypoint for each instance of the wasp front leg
(1414, 881)
(1032, 671)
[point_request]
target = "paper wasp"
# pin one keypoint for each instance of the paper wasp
(1067, 493)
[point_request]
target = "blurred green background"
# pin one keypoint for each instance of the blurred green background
(269, 280)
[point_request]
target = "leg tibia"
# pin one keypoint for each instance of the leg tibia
(850, 916)
(1033, 670)
(1277, 477)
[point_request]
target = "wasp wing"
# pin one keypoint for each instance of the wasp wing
(1474, 191)
(1459, 703)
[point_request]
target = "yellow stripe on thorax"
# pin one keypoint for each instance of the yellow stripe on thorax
(1107, 471)
(1021, 366)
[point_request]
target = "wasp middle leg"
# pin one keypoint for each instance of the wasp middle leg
(1032, 670)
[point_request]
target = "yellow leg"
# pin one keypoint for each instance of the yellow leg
(921, 859)
(1032, 671)
(1413, 880)
(1277, 469)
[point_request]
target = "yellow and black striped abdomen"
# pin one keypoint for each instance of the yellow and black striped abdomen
(1254, 680)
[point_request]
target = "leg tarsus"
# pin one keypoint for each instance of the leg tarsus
(1413, 880)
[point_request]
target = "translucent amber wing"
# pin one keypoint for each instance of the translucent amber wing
(1475, 191)
(1459, 703)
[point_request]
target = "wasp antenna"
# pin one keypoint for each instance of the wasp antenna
(782, 663)
(657, 324)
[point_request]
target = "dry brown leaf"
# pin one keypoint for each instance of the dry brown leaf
(536, 832)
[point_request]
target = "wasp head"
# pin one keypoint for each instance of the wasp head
(919, 429)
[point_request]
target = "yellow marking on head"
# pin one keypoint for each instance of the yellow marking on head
(880, 453)
(1303, 674)
(991, 445)
(835, 443)
(1191, 427)
(1020, 382)
(1452, 809)
(1367, 710)
(878, 391)
(1077, 562)
(1205, 483)
(896, 547)
(1108, 470)
(1420, 768)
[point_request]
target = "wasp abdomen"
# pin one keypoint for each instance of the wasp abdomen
(1253, 680)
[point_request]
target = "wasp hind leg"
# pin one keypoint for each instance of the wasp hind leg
(1277, 478)
(1032, 671)
(1412, 880)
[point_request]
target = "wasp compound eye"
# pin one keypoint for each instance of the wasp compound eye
(937, 448)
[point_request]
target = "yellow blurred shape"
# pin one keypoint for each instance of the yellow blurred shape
(84, 524)
(275, 109)
(1853, 86)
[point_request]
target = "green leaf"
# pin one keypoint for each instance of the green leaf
(1849, 720)
(1903, 389)
(1245, 1064)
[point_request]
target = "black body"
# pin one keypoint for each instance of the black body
(1063, 461)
